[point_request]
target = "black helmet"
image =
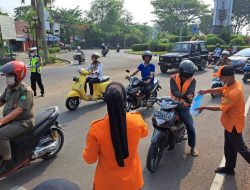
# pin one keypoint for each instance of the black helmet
(147, 53)
(187, 69)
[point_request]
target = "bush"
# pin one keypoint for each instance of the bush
(52, 59)
(211, 36)
(212, 47)
(140, 47)
(237, 41)
(174, 39)
(214, 41)
(54, 50)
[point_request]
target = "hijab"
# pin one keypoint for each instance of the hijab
(115, 97)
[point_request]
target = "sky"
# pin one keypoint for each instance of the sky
(140, 9)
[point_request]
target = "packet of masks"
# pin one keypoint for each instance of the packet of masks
(197, 102)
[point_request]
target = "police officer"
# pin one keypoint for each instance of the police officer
(18, 114)
(182, 86)
(35, 69)
(224, 60)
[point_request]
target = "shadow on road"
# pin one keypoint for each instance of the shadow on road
(25, 175)
(229, 183)
(173, 167)
(68, 116)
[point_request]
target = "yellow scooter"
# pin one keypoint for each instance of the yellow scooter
(78, 93)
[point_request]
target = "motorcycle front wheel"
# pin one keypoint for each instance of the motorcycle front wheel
(154, 156)
(72, 103)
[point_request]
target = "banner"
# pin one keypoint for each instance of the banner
(8, 29)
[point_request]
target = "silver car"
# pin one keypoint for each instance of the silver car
(239, 59)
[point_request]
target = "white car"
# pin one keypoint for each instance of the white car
(239, 59)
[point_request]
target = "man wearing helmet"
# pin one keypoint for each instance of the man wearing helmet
(95, 70)
(147, 70)
(182, 86)
(18, 114)
(224, 60)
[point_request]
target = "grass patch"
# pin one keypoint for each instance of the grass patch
(140, 52)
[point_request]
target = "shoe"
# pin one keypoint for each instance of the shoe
(6, 166)
(34, 93)
(194, 152)
(224, 170)
(42, 95)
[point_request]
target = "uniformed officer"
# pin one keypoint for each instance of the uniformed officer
(35, 69)
(224, 60)
(18, 114)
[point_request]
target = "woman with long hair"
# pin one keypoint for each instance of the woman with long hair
(113, 142)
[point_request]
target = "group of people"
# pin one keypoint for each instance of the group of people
(113, 140)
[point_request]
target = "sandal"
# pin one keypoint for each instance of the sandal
(194, 152)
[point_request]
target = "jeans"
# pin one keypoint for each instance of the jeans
(185, 116)
(91, 81)
(234, 143)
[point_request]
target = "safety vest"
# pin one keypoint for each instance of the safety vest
(183, 89)
(33, 62)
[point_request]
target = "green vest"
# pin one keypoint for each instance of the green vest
(33, 63)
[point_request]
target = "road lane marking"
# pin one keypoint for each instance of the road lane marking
(219, 178)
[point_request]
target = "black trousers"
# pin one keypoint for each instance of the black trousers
(91, 81)
(36, 78)
(234, 144)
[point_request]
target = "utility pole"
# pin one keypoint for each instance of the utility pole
(40, 4)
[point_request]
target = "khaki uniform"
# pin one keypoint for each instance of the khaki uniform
(223, 62)
(19, 96)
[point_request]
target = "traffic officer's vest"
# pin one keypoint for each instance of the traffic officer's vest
(33, 61)
(183, 89)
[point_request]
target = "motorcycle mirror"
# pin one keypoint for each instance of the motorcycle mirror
(128, 71)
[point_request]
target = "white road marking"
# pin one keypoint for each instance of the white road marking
(219, 178)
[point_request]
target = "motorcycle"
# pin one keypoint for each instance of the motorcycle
(216, 83)
(246, 72)
(211, 59)
(135, 98)
(105, 52)
(80, 57)
(78, 92)
(43, 141)
(168, 131)
(118, 49)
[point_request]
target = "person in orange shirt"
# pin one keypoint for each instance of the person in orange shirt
(232, 118)
(113, 142)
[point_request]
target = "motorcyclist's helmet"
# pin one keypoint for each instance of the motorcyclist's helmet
(218, 45)
(78, 47)
(16, 68)
(187, 69)
(95, 55)
(147, 53)
(225, 52)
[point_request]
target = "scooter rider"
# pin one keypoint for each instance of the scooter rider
(96, 72)
(224, 60)
(182, 86)
(147, 70)
(18, 114)
(78, 50)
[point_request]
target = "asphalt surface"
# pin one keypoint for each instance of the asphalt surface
(176, 170)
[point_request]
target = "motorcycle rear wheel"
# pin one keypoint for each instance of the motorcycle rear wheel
(59, 137)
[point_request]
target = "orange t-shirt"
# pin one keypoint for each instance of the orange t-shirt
(99, 147)
(233, 108)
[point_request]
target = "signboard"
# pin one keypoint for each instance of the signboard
(8, 29)
(57, 29)
(195, 29)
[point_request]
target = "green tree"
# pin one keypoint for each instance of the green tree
(168, 12)
(21, 12)
(241, 15)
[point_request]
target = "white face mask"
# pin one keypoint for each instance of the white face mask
(10, 80)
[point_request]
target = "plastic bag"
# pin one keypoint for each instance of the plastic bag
(197, 102)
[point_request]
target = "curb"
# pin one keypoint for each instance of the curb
(65, 60)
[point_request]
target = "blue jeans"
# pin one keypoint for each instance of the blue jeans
(185, 116)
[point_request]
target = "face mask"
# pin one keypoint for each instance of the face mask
(10, 80)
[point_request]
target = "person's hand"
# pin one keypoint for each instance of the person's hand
(127, 77)
(200, 109)
(146, 82)
(201, 92)
(190, 97)
(1, 122)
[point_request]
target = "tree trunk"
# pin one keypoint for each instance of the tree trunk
(43, 32)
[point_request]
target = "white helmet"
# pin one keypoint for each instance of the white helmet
(78, 47)
(225, 52)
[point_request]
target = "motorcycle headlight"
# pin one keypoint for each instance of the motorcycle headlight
(178, 59)
(161, 58)
(135, 83)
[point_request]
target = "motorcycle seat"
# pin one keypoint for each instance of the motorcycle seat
(104, 79)
(43, 116)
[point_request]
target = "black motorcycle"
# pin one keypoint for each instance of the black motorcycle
(135, 97)
(105, 51)
(79, 57)
(168, 130)
(43, 141)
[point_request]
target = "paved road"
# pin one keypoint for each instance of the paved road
(176, 170)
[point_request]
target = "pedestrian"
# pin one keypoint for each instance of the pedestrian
(182, 86)
(35, 69)
(232, 118)
(18, 113)
(113, 142)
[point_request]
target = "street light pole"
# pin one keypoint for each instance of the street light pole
(181, 19)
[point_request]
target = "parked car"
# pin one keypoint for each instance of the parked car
(195, 51)
(239, 59)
